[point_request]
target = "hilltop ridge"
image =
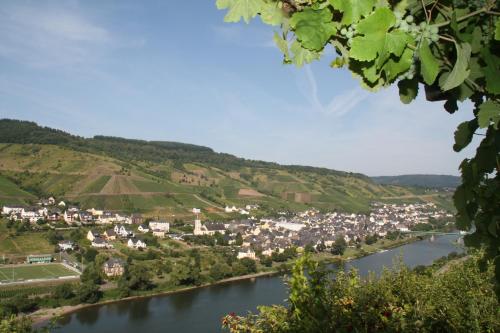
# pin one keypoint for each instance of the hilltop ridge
(170, 178)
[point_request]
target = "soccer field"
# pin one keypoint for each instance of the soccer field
(34, 272)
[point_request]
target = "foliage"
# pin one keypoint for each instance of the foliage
(64, 291)
(88, 293)
(339, 246)
(450, 47)
(15, 325)
(91, 274)
(459, 300)
(136, 277)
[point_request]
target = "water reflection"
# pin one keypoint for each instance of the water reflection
(183, 301)
(139, 311)
(88, 317)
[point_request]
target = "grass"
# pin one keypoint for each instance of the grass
(9, 189)
(23, 244)
(97, 185)
(34, 271)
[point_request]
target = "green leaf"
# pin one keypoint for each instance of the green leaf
(301, 55)
(238, 9)
(379, 21)
(282, 45)
(497, 30)
(313, 28)
(491, 71)
(489, 112)
(460, 71)
(272, 14)
(352, 10)
(464, 133)
(429, 65)
(377, 39)
(393, 68)
(408, 90)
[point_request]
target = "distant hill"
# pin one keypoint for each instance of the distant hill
(428, 181)
(170, 178)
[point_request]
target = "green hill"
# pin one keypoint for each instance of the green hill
(170, 178)
(429, 181)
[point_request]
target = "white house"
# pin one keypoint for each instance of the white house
(91, 235)
(158, 233)
(228, 209)
(159, 225)
(207, 228)
(101, 243)
(136, 244)
(249, 253)
(123, 232)
(8, 210)
(66, 245)
(143, 228)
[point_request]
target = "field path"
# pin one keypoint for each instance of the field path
(207, 202)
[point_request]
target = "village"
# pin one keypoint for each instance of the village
(249, 237)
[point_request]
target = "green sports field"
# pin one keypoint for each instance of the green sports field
(33, 272)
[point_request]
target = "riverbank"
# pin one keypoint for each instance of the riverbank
(42, 317)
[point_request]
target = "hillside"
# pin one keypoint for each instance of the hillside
(170, 178)
(428, 181)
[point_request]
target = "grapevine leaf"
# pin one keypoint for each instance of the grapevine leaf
(491, 71)
(238, 9)
(352, 10)
(301, 55)
(393, 68)
(408, 90)
(282, 45)
(272, 14)
(376, 39)
(429, 65)
(364, 48)
(497, 30)
(489, 112)
(313, 28)
(379, 21)
(464, 134)
(460, 71)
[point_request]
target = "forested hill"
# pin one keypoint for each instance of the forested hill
(428, 181)
(24, 132)
(170, 178)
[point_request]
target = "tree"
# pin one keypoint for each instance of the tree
(64, 291)
(250, 265)
(88, 293)
(90, 254)
(339, 246)
(239, 240)
(220, 271)
(450, 48)
(91, 275)
(136, 277)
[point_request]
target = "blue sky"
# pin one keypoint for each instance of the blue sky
(164, 71)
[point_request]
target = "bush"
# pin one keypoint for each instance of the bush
(461, 299)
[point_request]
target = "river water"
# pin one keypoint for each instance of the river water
(200, 310)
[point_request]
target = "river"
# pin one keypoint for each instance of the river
(200, 310)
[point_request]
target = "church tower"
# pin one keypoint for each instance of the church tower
(197, 227)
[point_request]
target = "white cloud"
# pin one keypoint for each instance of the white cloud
(339, 105)
(45, 36)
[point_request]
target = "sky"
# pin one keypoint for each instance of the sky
(159, 70)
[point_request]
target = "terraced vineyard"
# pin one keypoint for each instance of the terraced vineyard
(159, 178)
